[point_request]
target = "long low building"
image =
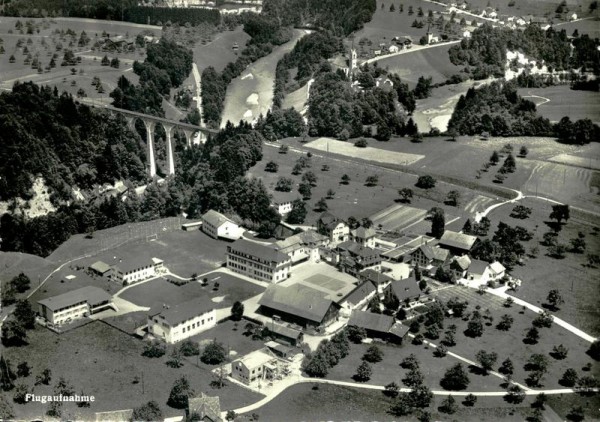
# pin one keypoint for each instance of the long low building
(132, 271)
(73, 305)
(182, 321)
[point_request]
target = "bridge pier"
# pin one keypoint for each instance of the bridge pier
(130, 122)
(150, 125)
(188, 136)
(170, 162)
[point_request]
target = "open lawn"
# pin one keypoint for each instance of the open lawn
(556, 102)
(219, 52)
(431, 62)
(587, 26)
(579, 285)
(13, 263)
(231, 335)
(157, 292)
(104, 362)
(251, 93)
(509, 344)
(526, 7)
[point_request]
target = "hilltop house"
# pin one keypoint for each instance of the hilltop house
(299, 304)
(181, 321)
(216, 225)
(258, 261)
(335, 228)
(73, 305)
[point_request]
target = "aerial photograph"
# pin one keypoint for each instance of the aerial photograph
(300, 210)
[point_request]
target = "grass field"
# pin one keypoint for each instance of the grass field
(219, 52)
(579, 285)
(526, 7)
(431, 62)
(563, 101)
(13, 263)
(103, 362)
(157, 292)
(587, 26)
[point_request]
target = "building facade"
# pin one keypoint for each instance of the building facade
(216, 225)
(77, 304)
(132, 272)
(187, 319)
(258, 261)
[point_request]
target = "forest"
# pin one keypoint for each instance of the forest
(484, 54)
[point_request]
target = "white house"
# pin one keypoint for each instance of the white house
(76, 304)
(393, 48)
(363, 236)
(466, 34)
(258, 365)
(216, 225)
(283, 202)
(482, 272)
(333, 227)
(258, 261)
(573, 17)
(181, 321)
(302, 246)
(131, 271)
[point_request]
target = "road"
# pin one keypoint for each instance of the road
(414, 49)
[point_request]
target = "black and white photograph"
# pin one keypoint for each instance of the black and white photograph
(300, 210)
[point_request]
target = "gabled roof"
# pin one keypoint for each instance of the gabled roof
(284, 331)
(205, 407)
(299, 300)
(284, 197)
(177, 314)
(100, 267)
(215, 218)
(311, 236)
(329, 220)
(497, 267)
(462, 262)
(357, 250)
(90, 294)
(360, 293)
(435, 253)
(478, 266)
(264, 252)
(457, 240)
(127, 265)
(370, 321)
(406, 289)
(364, 233)
(375, 277)
(256, 358)
(399, 330)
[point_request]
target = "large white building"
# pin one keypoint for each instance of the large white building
(76, 304)
(216, 225)
(132, 271)
(258, 261)
(181, 321)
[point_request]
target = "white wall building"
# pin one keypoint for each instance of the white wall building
(131, 271)
(216, 225)
(181, 321)
(258, 261)
(76, 304)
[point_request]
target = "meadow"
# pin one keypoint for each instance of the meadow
(556, 102)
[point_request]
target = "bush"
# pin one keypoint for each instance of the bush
(361, 143)
(426, 182)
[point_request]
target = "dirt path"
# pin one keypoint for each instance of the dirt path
(414, 49)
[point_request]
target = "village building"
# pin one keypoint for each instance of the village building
(333, 227)
(459, 266)
(284, 334)
(407, 291)
(482, 272)
(359, 297)
(378, 326)
(283, 202)
(457, 243)
(181, 321)
(427, 256)
(73, 305)
(303, 246)
(133, 270)
(299, 304)
(204, 408)
(258, 261)
(216, 225)
(258, 365)
(353, 258)
(100, 268)
(364, 236)
(378, 279)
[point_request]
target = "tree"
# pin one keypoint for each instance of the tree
(557, 251)
(413, 377)
(494, 158)
(523, 151)
(514, 394)
(470, 400)
(410, 362)
(321, 205)
(298, 212)
(13, 333)
(392, 390)
(23, 369)
(576, 414)
(284, 184)
(507, 367)
(594, 350)
(448, 406)
(543, 320)
(105, 60)
(578, 244)
(310, 178)
(560, 213)
(237, 311)
(425, 182)
(474, 327)
(345, 179)
(305, 190)
(406, 194)
(214, 354)
(452, 198)
(505, 323)
(486, 360)
(532, 336)
(569, 378)
(455, 378)
(438, 223)
(420, 396)
(363, 372)
(147, 412)
(180, 392)
(21, 283)
(115, 63)
(540, 401)
(537, 362)
(154, 350)
(272, 167)
(521, 212)
(25, 314)
(373, 354)
(361, 143)
(372, 180)
(555, 299)
(189, 348)
(7, 375)
(510, 164)
(316, 366)
(44, 377)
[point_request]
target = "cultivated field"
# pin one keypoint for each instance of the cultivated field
(104, 362)
(251, 93)
(556, 102)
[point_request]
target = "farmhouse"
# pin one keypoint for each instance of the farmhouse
(335, 228)
(258, 365)
(299, 304)
(459, 265)
(258, 261)
(76, 304)
(207, 409)
(376, 278)
(216, 225)
(183, 320)
(132, 270)
(377, 326)
(482, 271)
(364, 236)
(282, 202)
(302, 246)
(284, 334)
(353, 258)
(406, 291)
(360, 297)
(457, 243)
(429, 256)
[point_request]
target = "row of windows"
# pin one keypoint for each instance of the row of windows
(247, 257)
(196, 325)
(251, 264)
(82, 303)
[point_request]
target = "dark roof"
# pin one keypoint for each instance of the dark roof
(364, 233)
(205, 406)
(360, 293)
(90, 294)
(284, 331)
(478, 266)
(406, 289)
(357, 250)
(299, 300)
(329, 220)
(374, 276)
(370, 321)
(100, 267)
(284, 197)
(438, 254)
(186, 310)
(399, 330)
(215, 218)
(264, 252)
(461, 262)
(457, 240)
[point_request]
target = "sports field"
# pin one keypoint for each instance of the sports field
(369, 153)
